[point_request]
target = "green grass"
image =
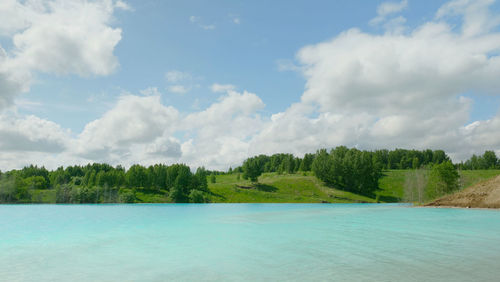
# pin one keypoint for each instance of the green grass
(274, 188)
(391, 185)
(289, 188)
(471, 177)
(146, 196)
(44, 196)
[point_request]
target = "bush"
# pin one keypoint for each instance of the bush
(197, 196)
(446, 177)
(127, 196)
(348, 169)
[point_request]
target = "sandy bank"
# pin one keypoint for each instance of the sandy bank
(482, 195)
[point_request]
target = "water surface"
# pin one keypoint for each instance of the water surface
(248, 242)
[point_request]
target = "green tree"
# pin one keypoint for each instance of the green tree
(446, 177)
(252, 169)
(137, 177)
(348, 169)
(415, 163)
(490, 159)
(180, 191)
(197, 196)
(321, 165)
(306, 162)
(36, 182)
(200, 179)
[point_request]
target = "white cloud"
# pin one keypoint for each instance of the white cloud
(476, 16)
(287, 65)
(9, 87)
(364, 90)
(14, 17)
(150, 91)
(180, 82)
(69, 37)
(217, 88)
(194, 19)
(61, 37)
(178, 89)
(124, 6)
(388, 8)
(175, 76)
(30, 133)
(221, 132)
(197, 20)
(390, 90)
(132, 121)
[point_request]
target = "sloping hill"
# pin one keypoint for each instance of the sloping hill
(274, 188)
(485, 194)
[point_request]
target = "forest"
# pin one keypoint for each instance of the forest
(343, 168)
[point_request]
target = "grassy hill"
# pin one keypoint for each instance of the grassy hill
(274, 188)
(300, 188)
(289, 188)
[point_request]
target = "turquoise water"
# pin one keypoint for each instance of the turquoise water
(248, 242)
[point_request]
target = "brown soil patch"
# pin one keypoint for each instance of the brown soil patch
(482, 195)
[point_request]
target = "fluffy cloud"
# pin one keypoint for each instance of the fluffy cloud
(220, 134)
(387, 8)
(477, 18)
(61, 37)
(394, 90)
(180, 82)
(20, 134)
(364, 90)
(216, 87)
(134, 120)
(178, 89)
(175, 76)
(397, 74)
(69, 37)
(32, 140)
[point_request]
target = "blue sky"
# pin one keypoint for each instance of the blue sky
(158, 37)
(307, 66)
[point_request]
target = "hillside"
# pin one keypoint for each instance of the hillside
(274, 188)
(485, 194)
(300, 188)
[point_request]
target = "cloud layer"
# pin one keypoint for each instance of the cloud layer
(396, 89)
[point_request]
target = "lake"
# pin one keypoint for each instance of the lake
(248, 242)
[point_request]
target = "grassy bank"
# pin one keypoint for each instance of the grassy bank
(392, 184)
(274, 188)
(286, 188)
(299, 188)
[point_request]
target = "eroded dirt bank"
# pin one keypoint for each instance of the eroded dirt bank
(482, 195)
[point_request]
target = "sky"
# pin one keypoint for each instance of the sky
(210, 83)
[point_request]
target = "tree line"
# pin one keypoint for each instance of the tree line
(98, 183)
(348, 169)
(343, 168)
(488, 160)
(386, 159)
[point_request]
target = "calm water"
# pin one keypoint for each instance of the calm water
(357, 242)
